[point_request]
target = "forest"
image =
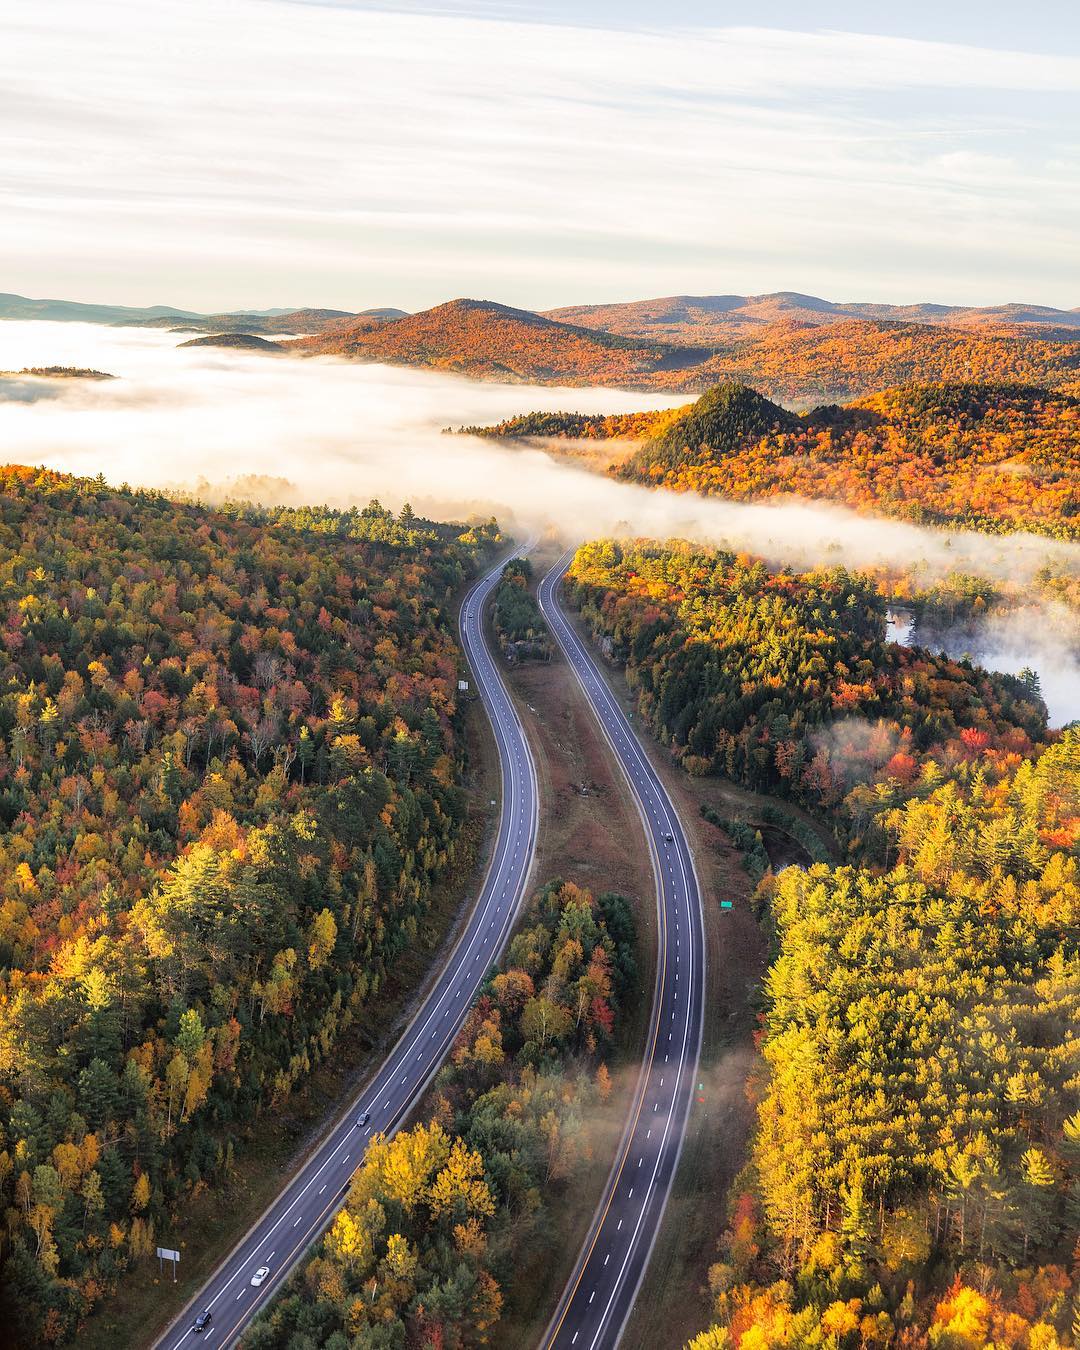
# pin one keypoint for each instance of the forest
(519, 625)
(986, 457)
(483, 339)
(805, 365)
(914, 1177)
(229, 774)
(441, 1219)
(798, 363)
(785, 681)
(993, 457)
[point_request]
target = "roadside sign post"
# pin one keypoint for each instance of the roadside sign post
(168, 1254)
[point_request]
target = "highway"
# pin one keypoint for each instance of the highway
(307, 1204)
(600, 1295)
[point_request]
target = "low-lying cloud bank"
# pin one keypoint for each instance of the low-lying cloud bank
(225, 422)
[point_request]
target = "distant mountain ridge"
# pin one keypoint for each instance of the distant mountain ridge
(722, 318)
(285, 321)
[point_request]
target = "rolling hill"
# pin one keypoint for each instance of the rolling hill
(236, 341)
(794, 362)
(492, 341)
(705, 320)
(801, 364)
(994, 457)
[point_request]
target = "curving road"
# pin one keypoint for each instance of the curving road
(308, 1203)
(597, 1302)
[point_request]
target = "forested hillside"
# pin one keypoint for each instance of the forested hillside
(492, 341)
(441, 1219)
(784, 681)
(228, 777)
(793, 361)
(992, 457)
(915, 1175)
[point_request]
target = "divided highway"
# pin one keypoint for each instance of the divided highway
(309, 1201)
(597, 1302)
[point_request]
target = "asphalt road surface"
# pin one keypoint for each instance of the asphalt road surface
(308, 1203)
(597, 1302)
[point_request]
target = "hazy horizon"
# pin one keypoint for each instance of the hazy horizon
(266, 303)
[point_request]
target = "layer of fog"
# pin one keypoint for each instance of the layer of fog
(287, 430)
(1042, 638)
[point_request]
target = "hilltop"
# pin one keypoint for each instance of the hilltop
(484, 339)
(793, 362)
(991, 456)
(244, 341)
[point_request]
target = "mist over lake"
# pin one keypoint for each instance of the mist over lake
(283, 430)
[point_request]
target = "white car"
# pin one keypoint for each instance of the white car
(260, 1275)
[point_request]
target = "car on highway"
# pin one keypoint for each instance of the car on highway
(363, 1118)
(202, 1321)
(670, 838)
(260, 1275)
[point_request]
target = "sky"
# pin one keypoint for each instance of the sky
(264, 153)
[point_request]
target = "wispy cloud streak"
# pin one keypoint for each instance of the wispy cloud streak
(269, 152)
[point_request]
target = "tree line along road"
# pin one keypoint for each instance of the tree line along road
(307, 1204)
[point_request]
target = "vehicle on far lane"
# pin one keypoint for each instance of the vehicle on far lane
(202, 1321)
(260, 1275)
(363, 1118)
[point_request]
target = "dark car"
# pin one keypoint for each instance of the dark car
(363, 1118)
(202, 1321)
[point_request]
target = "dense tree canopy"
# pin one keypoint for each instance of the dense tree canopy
(440, 1218)
(991, 457)
(915, 1172)
(228, 777)
(784, 680)
(518, 622)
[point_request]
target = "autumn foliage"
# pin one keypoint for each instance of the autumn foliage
(228, 777)
(914, 1179)
(441, 1220)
